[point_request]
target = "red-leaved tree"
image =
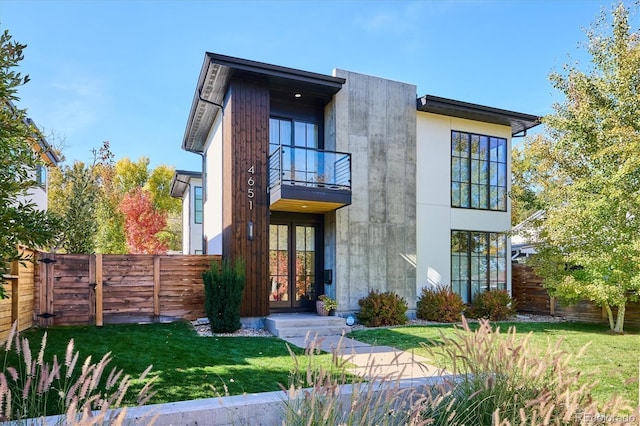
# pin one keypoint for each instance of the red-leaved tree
(142, 223)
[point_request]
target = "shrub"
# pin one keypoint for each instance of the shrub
(80, 392)
(223, 287)
(440, 304)
(494, 305)
(378, 309)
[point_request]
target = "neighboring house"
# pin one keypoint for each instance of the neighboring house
(187, 186)
(524, 237)
(348, 183)
(38, 194)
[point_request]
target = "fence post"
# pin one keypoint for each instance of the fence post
(156, 287)
(99, 319)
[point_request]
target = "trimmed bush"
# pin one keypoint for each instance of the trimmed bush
(440, 304)
(494, 305)
(223, 287)
(378, 309)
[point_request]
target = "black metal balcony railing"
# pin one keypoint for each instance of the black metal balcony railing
(316, 168)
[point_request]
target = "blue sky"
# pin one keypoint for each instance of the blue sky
(126, 71)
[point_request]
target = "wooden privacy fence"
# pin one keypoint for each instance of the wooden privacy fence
(18, 284)
(531, 297)
(105, 289)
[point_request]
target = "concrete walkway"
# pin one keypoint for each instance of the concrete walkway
(371, 361)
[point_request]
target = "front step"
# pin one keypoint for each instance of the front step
(301, 324)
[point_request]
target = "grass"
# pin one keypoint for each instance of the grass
(611, 360)
(186, 365)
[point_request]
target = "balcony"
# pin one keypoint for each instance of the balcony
(307, 180)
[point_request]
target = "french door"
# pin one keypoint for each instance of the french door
(295, 255)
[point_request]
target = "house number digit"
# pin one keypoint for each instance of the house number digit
(250, 183)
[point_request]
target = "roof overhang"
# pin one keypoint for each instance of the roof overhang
(181, 181)
(519, 122)
(218, 70)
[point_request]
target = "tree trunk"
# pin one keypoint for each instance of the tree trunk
(620, 320)
(607, 307)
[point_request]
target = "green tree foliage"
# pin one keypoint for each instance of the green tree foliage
(159, 186)
(223, 288)
(73, 192)
(130, 175)
(524, 191)
(589, 175)
(20, 222)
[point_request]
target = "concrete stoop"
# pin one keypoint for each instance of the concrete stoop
(303, 324)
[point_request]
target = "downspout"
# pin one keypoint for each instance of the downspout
(204, 163)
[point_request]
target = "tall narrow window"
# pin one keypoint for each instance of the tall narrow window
(41, 175)
(197, 204)
(478, 262)
(478, 171)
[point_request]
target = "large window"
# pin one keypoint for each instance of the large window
(298, 142)
(478, 171)
(197, 204)
(478, 262)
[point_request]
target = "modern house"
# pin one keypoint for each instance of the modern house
(187, 186)
(37, 194)
(345, 183)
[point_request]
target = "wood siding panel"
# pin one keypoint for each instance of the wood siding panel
(245, 145)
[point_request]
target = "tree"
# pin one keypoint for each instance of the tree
(110, 237)
(130, 175)
(142, 223)
(20, 222)
(159, 186)
(73, 193)
(591, 229)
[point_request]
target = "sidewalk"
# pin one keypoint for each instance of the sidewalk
(372, 360)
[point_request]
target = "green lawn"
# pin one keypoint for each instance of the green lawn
(611, 360)
(187, 366)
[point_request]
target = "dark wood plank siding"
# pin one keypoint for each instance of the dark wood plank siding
(246, 145)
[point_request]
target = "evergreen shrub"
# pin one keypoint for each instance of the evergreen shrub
(223, 288)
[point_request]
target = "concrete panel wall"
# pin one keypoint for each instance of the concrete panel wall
(436, 218)
(375, 237)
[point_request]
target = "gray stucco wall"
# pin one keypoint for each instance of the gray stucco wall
(370, 243)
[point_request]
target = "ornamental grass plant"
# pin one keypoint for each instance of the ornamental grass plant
(33, 388)
(333, 396)
(500, 380)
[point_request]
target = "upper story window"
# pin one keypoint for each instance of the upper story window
(41, 175)
(478, 171)
(292, 133)
(197, 204)
(295, 143)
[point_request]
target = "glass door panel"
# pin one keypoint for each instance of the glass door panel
(293, 264)
(279, 262)
(305, 270)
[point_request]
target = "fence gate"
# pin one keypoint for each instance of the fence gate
(66, 294)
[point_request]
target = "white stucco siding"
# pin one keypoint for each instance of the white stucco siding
(435, 217)
(212, 209)
(186, 222)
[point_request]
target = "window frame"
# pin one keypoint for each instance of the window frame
(463, 168)
(197, 210)
(491, 262)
